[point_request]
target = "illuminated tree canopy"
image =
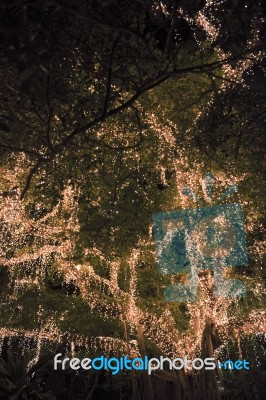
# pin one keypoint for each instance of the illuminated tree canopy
(109, 109)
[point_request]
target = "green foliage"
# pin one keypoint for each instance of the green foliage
(19, 383)
(32, 307)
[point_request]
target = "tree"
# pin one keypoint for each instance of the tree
(90, 62)
(92, 130)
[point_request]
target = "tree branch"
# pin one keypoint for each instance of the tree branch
(29, 178)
